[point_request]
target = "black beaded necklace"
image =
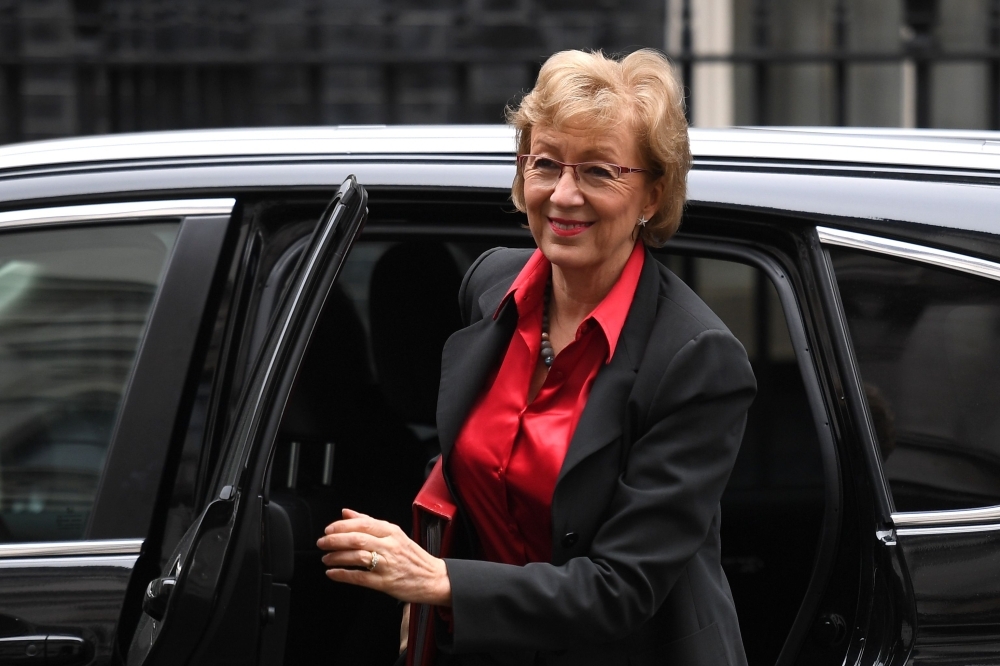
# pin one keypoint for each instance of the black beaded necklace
(547, 353)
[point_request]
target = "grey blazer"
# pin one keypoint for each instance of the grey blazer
(635, 576)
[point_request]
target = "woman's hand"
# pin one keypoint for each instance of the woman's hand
(403, 569)
(404, 629)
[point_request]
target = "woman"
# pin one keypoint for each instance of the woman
(590, 413)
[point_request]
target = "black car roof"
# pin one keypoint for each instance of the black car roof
(938, 178)
(966, 150)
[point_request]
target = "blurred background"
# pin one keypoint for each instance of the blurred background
(71, 67)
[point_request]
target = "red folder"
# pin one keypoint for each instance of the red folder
(433, 527)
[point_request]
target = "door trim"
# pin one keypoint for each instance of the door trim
(911, 251)
(71, 548)
(108, 212)
(946, 520)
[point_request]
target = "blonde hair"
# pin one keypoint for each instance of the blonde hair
(592, 89)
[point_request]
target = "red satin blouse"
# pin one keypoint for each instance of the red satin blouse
(508, 454)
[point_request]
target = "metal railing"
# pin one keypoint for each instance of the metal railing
(920, 48)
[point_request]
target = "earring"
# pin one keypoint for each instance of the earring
(642, 222)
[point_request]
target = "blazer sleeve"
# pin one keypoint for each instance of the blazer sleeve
(659, 516)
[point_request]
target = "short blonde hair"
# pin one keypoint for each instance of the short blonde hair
(592, 89)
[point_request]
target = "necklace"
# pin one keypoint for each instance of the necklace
(546, 352)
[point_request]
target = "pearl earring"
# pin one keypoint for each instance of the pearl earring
(642, 222)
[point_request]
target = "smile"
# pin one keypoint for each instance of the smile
(568, 227)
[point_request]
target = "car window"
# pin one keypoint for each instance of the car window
(779, 448)
(73, 308)
(927, 341)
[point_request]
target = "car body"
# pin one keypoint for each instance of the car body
(210, 341)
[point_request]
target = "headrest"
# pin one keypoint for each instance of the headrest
(413, 308)
(335, 373)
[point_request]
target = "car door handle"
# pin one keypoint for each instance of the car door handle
(154, 602)
(22, 650)
(50, 650)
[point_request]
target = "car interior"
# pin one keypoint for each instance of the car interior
(359, 428)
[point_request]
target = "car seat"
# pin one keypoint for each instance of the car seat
(413, 308)
(340, 445)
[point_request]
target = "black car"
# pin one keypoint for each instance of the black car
(211, 342)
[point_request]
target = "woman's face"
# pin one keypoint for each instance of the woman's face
(590, 228)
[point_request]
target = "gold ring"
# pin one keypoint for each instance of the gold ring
(374, 562)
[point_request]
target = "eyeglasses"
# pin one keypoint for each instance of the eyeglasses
(546, 172)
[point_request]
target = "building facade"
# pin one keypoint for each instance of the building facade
(90, 66)
(71, 67)
(882, 63)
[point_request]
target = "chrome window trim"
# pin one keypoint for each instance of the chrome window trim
(926, 522)
(71, 548)
(989, 514)
(911, 251)
(126, 562)
(947, 529)
(110, 212)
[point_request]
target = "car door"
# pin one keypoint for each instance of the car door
(924, 324)
(222, 595)
(102, 312)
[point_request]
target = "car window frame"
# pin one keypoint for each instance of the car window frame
(778, 272)
(202, 224)
(908, 522)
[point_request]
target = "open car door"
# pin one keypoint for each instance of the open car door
(222, 597)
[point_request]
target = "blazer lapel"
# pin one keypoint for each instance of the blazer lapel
(603, 416)
(467, 358)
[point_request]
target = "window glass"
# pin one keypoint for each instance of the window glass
(73, 307)
(927, 342)
(779, 448)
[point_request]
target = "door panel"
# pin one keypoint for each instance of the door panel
(923, 323)
(83, 328)
(217, 592)
(88, 608)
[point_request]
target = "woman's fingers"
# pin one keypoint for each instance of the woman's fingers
(347, 541)
(402, 569)
(404, 629)
(349, 558)
(354, 577)
(359, 522)
(351, 513)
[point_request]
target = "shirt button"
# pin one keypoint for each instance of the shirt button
(569, 539)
